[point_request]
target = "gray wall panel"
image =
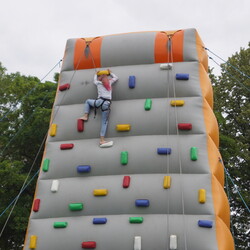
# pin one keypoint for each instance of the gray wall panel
(112, 235)
(189, 45)
(142, 156)
(142, 187)
(128, 49)
(69, 55)
(161, 119)
(151, 82)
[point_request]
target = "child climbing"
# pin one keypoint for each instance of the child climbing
(103, 80)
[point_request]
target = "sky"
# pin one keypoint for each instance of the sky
(33, 33)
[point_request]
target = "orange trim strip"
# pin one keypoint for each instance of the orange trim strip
(161, 47)
(214, 157)
(202, 53)
(206, 86)
(211, 123)
(93, 59)
(209, 117)
(220, 201)
(221, 205)
(224, 238)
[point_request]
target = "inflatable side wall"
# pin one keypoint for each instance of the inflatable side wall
(161, 184)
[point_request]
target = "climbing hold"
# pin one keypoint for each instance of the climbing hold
(66, 146)
(142, 203)
(202, 196)
(185, 126)
(148, 104)
(100, 192)
(99, 220)
(182, 76)
(124, 158)
(123, 127)
(33, 241)
(60, 224)
(137, 243)
(177, 102)
(83, 169)
(164, 151)
(89, 244)
(131, 82)
(36, 205)
(75, 206)
(64, 87)
(166, 66)
(46, 165)
(173, 242)
(135, 219)
(194, 153)
(103, 72)
(53, 129)
(205, 223)
(167, 182)
(54, 186)
(80, 125)
(126, 181)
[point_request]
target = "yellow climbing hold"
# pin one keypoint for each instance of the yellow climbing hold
(123, 127)
(33, 240)
(100, 192)
(103, 72)
(167, 182)
(177, 102)
(53, 129)
(202, 196)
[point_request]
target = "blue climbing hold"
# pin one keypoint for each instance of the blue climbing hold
(182, 76)
(131, 82)
(164, 151)
(83, 169)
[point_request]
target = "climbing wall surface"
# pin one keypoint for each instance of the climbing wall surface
(161, 184)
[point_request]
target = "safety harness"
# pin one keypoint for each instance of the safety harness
(101, 105)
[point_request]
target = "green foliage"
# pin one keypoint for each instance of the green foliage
(232, 109)
(11, 182)
(25, 108)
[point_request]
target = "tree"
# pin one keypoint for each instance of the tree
(232, 109)
(25, 109)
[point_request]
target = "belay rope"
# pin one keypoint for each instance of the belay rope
(171, 78)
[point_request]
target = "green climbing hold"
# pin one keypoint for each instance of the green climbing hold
(135, 219)
(194, 154)
(76, 206)
(148, 104)
(60, 224)
(124, 157)
(46, 165)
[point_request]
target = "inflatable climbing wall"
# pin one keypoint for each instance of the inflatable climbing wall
(161, 184)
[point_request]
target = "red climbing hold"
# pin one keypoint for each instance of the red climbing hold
(36, 205)
(64, 87)
(66, 146)
(185, 126)
(80, 125)
(126, 181)
(89, 244)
